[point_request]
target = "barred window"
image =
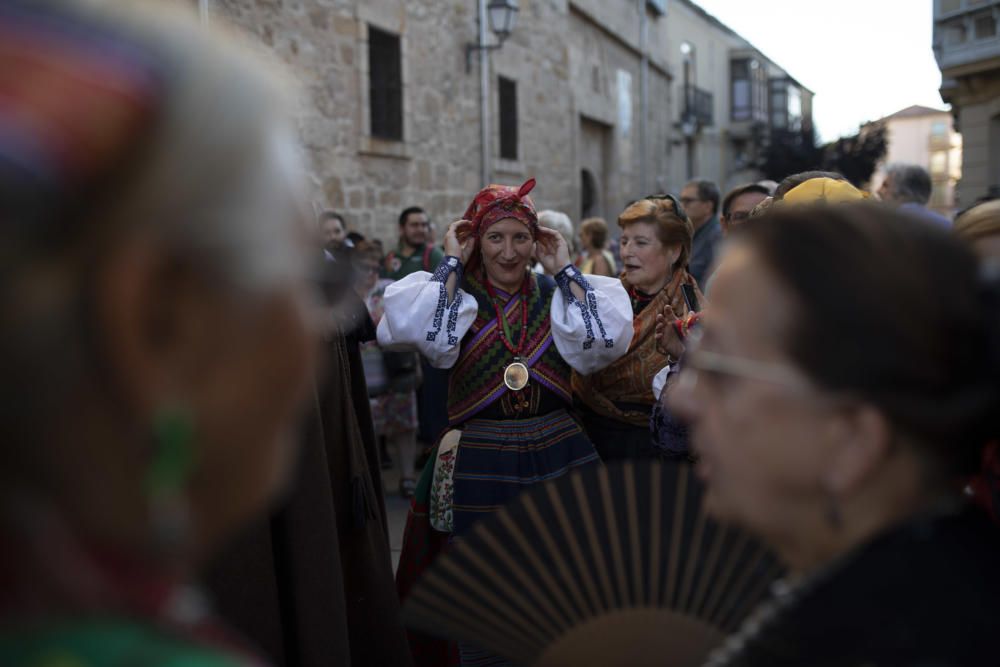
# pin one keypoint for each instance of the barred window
(385, 84)
(508, 119)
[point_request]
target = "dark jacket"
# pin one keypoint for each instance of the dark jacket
(924, 594)
(313, 585)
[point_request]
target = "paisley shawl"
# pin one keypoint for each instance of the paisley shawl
(630, 378)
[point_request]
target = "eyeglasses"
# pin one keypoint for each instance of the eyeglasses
(698, 362)
(714, 363)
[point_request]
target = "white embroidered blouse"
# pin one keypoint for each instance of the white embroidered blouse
(589, 334)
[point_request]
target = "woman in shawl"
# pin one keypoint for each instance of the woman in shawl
(617, 401)
(512, 339)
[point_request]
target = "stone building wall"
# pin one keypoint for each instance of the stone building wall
(551, 56)
(977, 108)
(577, 67)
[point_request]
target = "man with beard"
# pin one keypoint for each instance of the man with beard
(332, 231)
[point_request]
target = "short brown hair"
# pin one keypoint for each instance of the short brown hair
(671, 224)
(739, 190)
(598, 230)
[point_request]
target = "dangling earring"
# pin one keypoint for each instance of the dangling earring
(168, 473)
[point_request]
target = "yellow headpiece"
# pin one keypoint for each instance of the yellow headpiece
(823, 190)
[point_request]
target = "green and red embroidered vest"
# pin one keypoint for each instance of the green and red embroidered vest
(476, 386)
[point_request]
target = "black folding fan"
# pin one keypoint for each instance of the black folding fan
(610, 565)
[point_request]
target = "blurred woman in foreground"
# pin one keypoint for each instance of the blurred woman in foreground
(155, 348)
(833, 415)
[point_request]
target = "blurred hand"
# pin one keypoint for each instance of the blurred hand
(667, 341)
(459, 240)
(551, 250)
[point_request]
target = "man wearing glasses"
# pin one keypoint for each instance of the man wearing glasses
(739, 202)
(700, 200)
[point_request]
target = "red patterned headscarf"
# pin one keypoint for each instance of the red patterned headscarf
(498, 202)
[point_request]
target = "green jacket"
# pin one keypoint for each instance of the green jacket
(425, 258)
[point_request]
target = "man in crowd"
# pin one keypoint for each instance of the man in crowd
(738, 203)
(700, 200)
(908, 186)
(415, 252)
(333, 231)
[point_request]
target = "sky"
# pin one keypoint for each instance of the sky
(864, 59)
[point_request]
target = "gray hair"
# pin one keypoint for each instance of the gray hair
(707, 191)
(908, 183)
(557, 221)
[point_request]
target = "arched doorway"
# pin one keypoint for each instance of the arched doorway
(594, 163)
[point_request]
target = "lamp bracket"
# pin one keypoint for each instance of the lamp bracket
(471, 48)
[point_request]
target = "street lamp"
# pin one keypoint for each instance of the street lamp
(502, 16)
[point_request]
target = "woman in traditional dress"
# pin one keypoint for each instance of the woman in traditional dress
(616, 402)
(512, 338)
(155, 346)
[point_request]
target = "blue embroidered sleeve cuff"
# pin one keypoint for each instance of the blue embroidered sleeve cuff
(450, 264)
(589, 311)
(571, 274)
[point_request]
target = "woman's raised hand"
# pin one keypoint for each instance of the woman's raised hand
(459, 240)
(667, 340)
(551, 250)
